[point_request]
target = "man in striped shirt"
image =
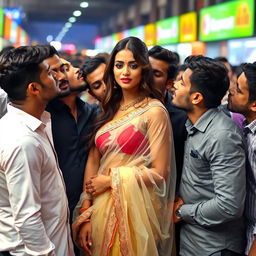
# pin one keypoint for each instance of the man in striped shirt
(242, 99)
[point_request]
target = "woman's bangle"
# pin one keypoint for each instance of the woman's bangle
(83, 209)
(87, 220)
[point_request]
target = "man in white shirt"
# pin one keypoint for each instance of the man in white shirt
(33, 205)
(3, 102)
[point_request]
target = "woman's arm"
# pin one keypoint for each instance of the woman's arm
(91, 169)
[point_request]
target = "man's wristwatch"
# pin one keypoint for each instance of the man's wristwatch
(178, 213)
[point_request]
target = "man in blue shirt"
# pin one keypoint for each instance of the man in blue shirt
(212, 189)
(242, 99)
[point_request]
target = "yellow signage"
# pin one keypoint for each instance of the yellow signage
(150, 34)
(188, 27)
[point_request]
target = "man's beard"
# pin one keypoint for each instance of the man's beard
(64, 93)
(79, 88)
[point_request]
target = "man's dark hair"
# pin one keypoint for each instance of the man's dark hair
(90, 65)
(209, 77)
(20, 66)
(6, 49)
(180, 68)
(160, 53)
(250, 74)
(221, 59)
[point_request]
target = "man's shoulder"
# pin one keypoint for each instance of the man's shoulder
(13, 132)
(89, 108)
(220, 121)
(223, 129)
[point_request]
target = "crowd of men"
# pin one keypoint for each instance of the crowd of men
(44, 130)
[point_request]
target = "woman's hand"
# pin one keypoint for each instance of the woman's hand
(85, 237)
(98, 184)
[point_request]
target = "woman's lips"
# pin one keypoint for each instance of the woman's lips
(126, 80)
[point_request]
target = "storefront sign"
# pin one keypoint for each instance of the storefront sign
(227, 20)
(150, 34)
(167, 31)
(188, 27)
(138, 32)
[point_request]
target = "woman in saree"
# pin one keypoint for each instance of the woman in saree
(126, 206)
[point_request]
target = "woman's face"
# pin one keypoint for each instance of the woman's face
(127, 71)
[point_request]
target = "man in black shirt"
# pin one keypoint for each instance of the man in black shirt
(72, 121)
(164, 65)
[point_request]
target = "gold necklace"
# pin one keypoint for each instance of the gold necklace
(132, 104)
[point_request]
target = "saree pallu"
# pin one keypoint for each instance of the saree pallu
(135, 216)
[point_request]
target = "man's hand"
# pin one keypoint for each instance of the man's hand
(252, 251)
(177, 204)
(85, 237)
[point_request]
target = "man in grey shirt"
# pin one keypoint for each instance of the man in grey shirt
(212, 189)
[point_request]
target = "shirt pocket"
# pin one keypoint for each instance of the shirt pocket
(201, 169)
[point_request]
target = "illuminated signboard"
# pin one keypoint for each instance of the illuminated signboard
(14, 32)
(188, 27)
(107, 43)
(227, 20)
(167, 31)
(116, 38)
(14, 13)
(138, 32)
(26, 37)
(19, 35)
(98, 43)
(1, 21)
(69, 48)
(126, 33)
(7, 28)
(150, 34)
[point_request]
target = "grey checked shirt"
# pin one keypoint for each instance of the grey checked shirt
(213, 186)
(250, 209)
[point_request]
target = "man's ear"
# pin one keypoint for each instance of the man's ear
(197, 98)
(253, 106)
(33, 88)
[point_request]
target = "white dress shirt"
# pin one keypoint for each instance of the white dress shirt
(3, 102)
(33, 205)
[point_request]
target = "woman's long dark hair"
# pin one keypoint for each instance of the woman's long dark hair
(113, 96)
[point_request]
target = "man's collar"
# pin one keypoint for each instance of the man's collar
(249, 128)
(30, 121)
(203, 122)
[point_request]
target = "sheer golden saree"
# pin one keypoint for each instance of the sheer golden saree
(134, 217)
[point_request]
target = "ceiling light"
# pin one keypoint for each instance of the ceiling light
(84, 4)
(49, 38)
(64, 29)
(77, 13)
(68, 25)
(72, 19)
(56, 44)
